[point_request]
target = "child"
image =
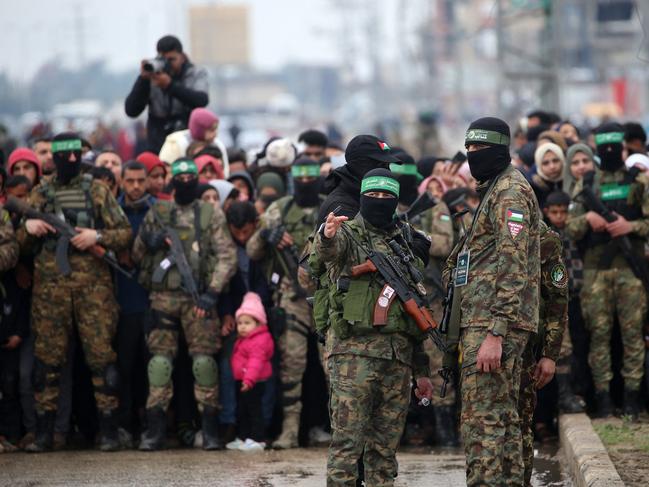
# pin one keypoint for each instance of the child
(251, 368)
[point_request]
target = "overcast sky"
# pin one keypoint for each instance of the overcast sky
(125, 31)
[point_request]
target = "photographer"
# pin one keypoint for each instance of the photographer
(172, 87)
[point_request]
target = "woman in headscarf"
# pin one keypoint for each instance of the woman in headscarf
(579, 161)
(549, 160)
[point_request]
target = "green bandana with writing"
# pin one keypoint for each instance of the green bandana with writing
(380, 183)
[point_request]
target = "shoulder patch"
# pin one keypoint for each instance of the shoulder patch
(514, 219)
(444, 217)
(559, 276)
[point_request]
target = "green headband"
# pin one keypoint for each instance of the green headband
(406, 170)
(609, 138)
(66, 145)
(306, 171)
(480, 136)
(184, 166)
(380, 183)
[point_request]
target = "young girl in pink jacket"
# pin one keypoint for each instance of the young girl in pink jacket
(251, 369)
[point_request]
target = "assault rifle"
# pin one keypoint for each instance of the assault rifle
(593, 203)
(424, 202)
(65, 233)
(395, 285)
(288, 260)
(175, 257)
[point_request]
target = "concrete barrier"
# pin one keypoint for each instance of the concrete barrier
(588, 460)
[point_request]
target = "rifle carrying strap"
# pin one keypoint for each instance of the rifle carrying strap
(453, 335)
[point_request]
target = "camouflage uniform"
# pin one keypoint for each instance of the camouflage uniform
(212, 256)
(299, 222)
(85, 297)
(610, 286)
(370, 370)
(553, 336)
(8, 244)
(502, 294)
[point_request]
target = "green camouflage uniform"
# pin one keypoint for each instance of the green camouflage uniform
(8, 245)
(212, 256)
(610, 287)
(553, 336)
(299, 223)
(85, 297)
(502, 294)
(370, 369)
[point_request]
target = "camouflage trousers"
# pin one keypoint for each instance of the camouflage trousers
(526, 406)
(293, 345)
(368, 403)
(489, 421)
(605, 293)
(56, 306)
(171, 312)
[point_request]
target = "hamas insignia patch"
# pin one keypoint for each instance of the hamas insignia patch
(559, 276)
(514, 221)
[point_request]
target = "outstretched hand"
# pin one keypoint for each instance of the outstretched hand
(332, 224)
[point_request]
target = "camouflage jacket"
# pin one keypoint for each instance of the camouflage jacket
(340, 254)
(438, 225)
(8, 244)
(502, 291)
(216, 251)
(577, 227)
(553, 315)
(115, 229)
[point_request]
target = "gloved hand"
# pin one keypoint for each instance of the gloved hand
(207, 301)
(153, 241)
(273, 235)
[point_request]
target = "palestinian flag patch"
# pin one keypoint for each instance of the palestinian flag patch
(514, 220)
(383, 146)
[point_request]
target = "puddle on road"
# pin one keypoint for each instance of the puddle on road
(548, 471)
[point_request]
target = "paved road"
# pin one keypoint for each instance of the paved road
(299, 468)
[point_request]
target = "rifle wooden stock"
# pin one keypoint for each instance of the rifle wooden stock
(364, 268)
(420, 315)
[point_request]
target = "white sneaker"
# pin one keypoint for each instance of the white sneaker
(198, 439)
(318, 435)
(251, 445)
(236, 444)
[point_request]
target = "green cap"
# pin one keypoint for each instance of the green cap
(380, 183)
(306, 171)
(406, 170)
(66, 145)
(183, 166)
(609, 138)
(481, 136)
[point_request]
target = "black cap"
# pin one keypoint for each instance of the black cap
(363, 147)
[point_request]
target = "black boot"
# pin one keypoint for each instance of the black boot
(569, 403)
(631, 404)
(445, 427)
(44, 432)
(108, 436)
(210, 427)
(154, 437)
(604, 404)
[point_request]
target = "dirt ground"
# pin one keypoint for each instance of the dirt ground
(628, 446)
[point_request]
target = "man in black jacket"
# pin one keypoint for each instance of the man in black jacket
(171, 92)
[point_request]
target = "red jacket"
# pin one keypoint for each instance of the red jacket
(251, 356)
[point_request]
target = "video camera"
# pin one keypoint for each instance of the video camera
(158, 64)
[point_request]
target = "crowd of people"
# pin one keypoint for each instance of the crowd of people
(179, 301)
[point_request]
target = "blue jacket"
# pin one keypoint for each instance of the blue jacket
(132, 297)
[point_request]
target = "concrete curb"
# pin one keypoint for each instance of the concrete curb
(588, 460)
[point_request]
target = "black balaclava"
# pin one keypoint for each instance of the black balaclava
(62, 145)
(185, 192)
(361, 167)
(379, 212)
(306, 195)
(488, 163)
(408, 176)
(608, 139)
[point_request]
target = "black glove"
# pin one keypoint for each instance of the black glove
(207, 301)
(153, 241)
(273, 235)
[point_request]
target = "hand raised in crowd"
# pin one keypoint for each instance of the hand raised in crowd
(86, 238)
(332, 224)
(228, 324)
(161, 80)
(447, 173)
(619, 227)
(38, 228)
(544, 372)
(424, 388)
(596, 221)
(490, 353)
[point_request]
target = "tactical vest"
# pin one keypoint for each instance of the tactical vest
(195, 239)
(623, 198)
(72, 203)
(351, 300)
(298, 223)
